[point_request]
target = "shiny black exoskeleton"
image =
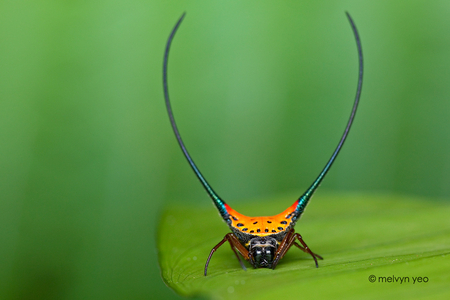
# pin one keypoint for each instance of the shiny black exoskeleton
(262, 251)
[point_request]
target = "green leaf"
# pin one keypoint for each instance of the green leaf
(390, 237)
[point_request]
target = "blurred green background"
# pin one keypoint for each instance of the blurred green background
(261, 91)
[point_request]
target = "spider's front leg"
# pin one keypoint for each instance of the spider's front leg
(284, 246)
(287, 243)
(235, 245)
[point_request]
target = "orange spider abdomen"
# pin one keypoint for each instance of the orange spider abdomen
(261, 226)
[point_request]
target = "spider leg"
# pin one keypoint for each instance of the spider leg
(285, 245)
(306, 248)
(303, 249)
(235, 245)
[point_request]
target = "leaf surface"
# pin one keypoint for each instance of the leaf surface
(397, 239)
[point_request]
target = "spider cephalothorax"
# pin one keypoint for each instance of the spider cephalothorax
(262, 251)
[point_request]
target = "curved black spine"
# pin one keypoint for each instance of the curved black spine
(304, 199)
(220, 204)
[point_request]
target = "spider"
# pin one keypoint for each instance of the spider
(263, 241)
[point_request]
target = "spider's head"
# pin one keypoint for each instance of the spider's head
(262, 251)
